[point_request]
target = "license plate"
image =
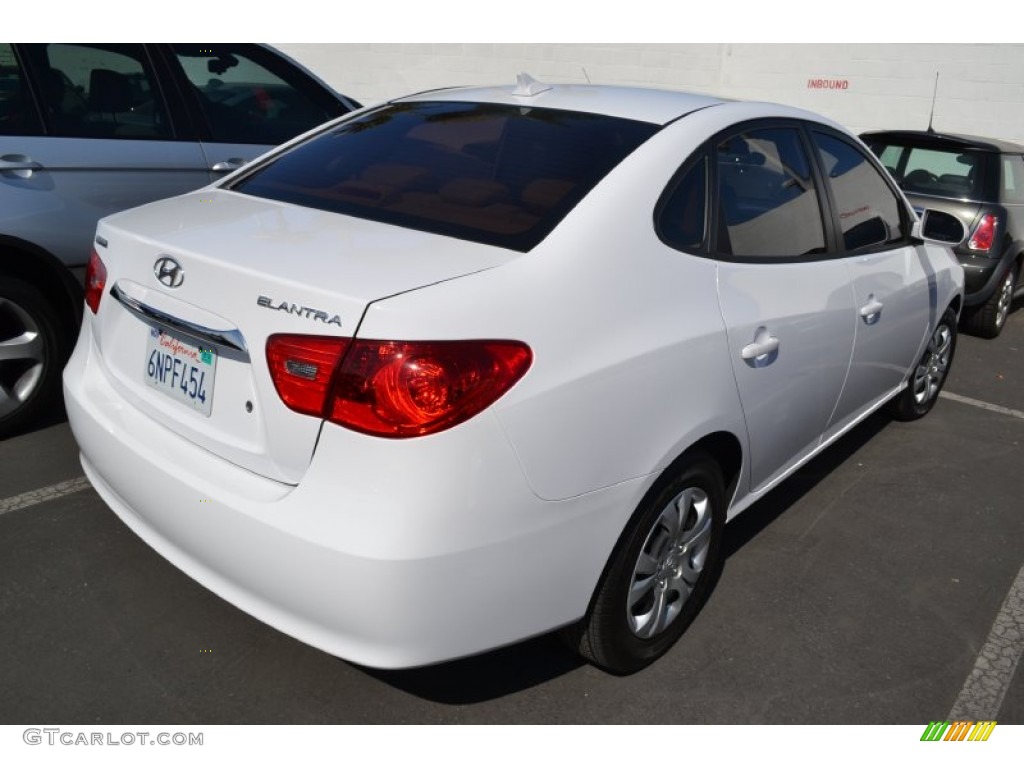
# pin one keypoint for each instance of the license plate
(181, 370)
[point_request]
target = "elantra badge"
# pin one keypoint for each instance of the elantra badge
(169, 272)
(294, 309)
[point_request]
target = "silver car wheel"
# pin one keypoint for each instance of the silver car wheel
(669, 564)
(1005, 300)
(22, 356)
(934, 365)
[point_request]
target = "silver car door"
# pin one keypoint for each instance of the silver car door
(108, 145)
(250, 100)
(787, 304)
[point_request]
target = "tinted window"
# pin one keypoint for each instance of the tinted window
(495, 174)
(681, 219)
(1013, 180)
(768, 205)
(933, 171)
(890, 157)
(93, 91)
(868, 211)
(249, 96)
(18, 116)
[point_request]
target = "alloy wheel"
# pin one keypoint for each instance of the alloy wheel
(934, 365)
(1005, 300)
(669, 564)
(22, 356)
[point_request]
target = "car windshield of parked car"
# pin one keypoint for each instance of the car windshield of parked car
(491, 173)
(950, 172)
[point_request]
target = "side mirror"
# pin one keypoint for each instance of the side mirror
(940, 227)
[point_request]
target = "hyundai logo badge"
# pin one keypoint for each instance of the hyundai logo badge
(169, 272)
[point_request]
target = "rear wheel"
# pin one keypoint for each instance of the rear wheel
(31, 355)
(929, 375)
(660, 574)
(988, 320)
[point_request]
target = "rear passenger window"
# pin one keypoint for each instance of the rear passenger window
(18, 116)
(98, 91)
(682, 215)
(767, 201)
(868, 211)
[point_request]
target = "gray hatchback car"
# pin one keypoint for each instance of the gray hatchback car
(90, 129)
(980, 181)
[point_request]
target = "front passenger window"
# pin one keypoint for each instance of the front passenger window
(868, 210)
(767, 201)
(250, 97)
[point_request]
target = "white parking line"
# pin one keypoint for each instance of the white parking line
(986, 685)
(982, 404)
(40, 495)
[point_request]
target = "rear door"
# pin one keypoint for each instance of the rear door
(786, 300)
(109, 143)
(247, 99)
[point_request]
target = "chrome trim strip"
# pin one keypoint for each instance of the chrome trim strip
(231, 339)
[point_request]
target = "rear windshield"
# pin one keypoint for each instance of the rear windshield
(953, 173)
(495, 174)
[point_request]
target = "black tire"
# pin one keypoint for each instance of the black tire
(989, 319)
(930, 373)
(615, 633)
(30, 381)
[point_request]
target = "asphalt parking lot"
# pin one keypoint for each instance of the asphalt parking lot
(861, 591)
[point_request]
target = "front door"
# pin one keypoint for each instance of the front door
(787, 303)
(895, 308)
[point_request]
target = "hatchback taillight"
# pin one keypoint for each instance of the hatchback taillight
(984, 234)
(95, 281)
(393, 388)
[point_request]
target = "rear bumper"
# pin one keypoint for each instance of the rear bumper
(982, 276)
(389, 553)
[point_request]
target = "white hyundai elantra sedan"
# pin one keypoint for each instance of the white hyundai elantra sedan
(476, 364)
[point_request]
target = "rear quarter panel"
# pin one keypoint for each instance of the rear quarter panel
(630, 355)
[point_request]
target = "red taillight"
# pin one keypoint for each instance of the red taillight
(984, 234)
(394, 388)
(302, 367)
(95, 281)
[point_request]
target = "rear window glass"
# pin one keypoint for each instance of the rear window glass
(929, 171)
(495, 174)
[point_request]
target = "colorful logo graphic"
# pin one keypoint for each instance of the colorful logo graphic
(961, 730)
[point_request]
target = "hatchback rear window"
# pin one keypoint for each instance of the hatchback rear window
(932, 171)
(490, 173)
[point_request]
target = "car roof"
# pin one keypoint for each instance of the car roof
(645, 104)
(957, 140)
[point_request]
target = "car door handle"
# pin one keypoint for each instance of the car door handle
(232, 164)
(872, 311)
(762, 351)
(21, 166)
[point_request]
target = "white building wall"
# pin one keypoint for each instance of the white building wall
(980, 91)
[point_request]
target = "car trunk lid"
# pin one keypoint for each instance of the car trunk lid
(207, 278)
